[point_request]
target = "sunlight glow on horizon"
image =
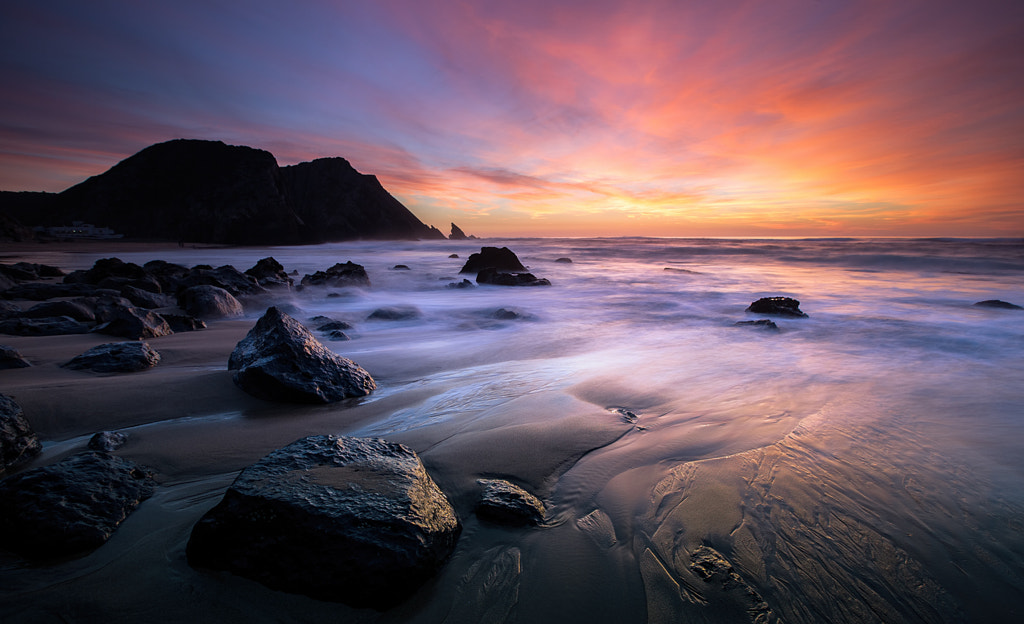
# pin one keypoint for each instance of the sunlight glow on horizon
(578, 119)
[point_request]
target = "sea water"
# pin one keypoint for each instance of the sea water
(865, 463)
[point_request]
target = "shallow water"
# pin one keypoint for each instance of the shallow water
(862, 464)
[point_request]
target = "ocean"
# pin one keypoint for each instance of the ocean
(865, 463)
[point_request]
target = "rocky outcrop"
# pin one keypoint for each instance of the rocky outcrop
(502, 259)
(336, 202)
(498, 278)
(78, 310)
(395, 313)
(458, 234)
(116, 357)
(49, 326)
(348, 274)
(269, 273)
(18, 442)
(778, 306)
(107, 441)
(280, 360)
(505, 503)
(146, 299)
(133, 323)
(996, 303)
(764, 324)
(209, 302)
(70, 507)
(344, 519)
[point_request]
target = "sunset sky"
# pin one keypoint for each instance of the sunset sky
(581, 118)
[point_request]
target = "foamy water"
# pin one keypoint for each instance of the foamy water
(862, 464)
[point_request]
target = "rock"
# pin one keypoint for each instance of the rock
(329, 324)
(394, 313)
(564, 260)
(107, 441)
(504, 503)
(72, 506)
(280, 360)
(73, 309)
(779, 306)
(146, 299)
(497, 278)
(41, 291)
(502, 259)
(116, 357)
(400, 267)
(465, 283)
(507, 314)
(29, 271)
(167, 274)
(212, 302)
(348, 274)
(454, 256)
(109, 270)
(133, 323)
(764, 324)
(53, 326)
(10, 358)
(457, 233)
(8, 309)
(269, 273)
(715, 570)
(183, 323)
(225, 277)
(996, 303)
(336, 335)
(352, 520)
(18, 443)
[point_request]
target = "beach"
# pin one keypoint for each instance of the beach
(861, 464)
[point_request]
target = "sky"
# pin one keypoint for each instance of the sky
(554, 118)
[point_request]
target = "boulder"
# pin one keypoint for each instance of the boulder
(996, 303)
(505, 503)
(508, 314)
(107, 441)
(167, 274)
(401, 267)
(352, 520)
(76, 309)
(41, 291)
(146, 299)
(70, 507)
(269, 273)
(395, 313)
(18, 443)
(280, 360)
(207, 301)
(563, 260)
(463, 284)
(779, 306)
(133, 323)
(498, 278)
(226, 277)
(10, 358)
(503, 259)
(324, 324)
(8, 309)
(765, 324)
(453, 256)
(183, 323)
(348, 274)
(116, 357)
(52, 326)
(336, 335)
(29, 271)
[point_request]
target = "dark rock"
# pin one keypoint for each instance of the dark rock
(779, 306)
(53, 326)
(280, 360)
(167, 274)
(18, 443)
(10, 358)
(336, 202)
(29, 271)
(77, 310)
(116, 357)
(269, 273)
(394, 313)
(6, 282)
(348, 274)
(502, 259)
(183, 323)
(133, 323)
(225, 277)
(678, 270)
(564, 260)
(332, 325)
(454, 256)
(765, 324)
(457, 233)
(111, 270)
(507, 314)
(336, 335)
(107, 441)
(996, 303)
(463, 284)
(72, 506)
(504, 503)
(343, 519)
(497, 278)
(212, 302)
(400, 267)
(41, 291)
(146, 299)
(8, 309)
